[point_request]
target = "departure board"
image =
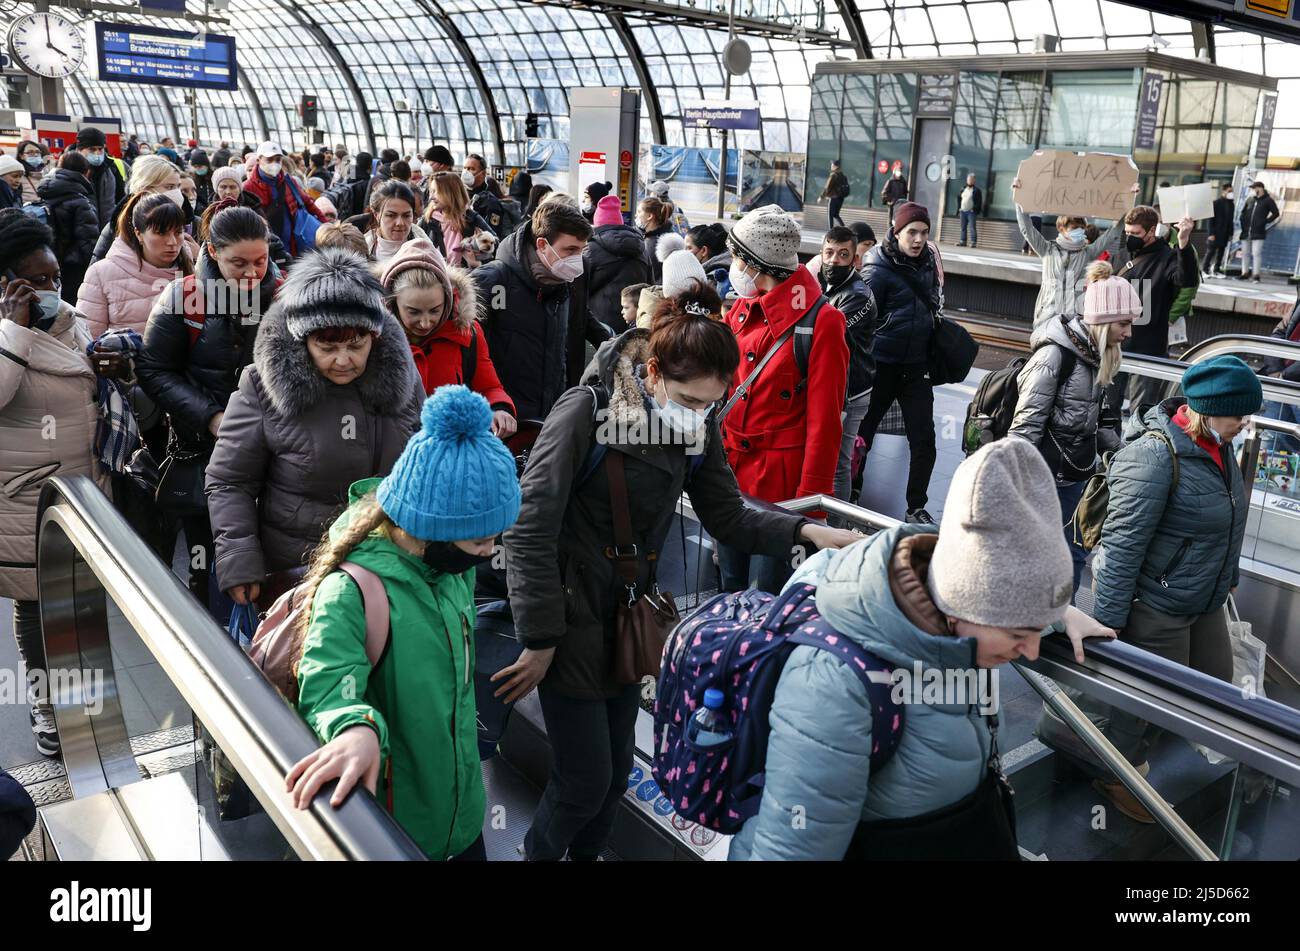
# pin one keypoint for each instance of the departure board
(144, 54)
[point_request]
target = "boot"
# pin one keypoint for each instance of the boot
(1123, 800)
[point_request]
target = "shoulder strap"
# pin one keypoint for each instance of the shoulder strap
(469, 358)
(375, 599)
(596, 454)
(624, 553)
(920, 292)
(803, 336)
(741, 390)
(1173, 457)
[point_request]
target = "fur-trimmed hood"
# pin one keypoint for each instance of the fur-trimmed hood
(293, 385)
(466, 309)
(614, 366)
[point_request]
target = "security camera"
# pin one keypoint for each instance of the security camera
(220, 6)
(1159, 41)
(400, 105)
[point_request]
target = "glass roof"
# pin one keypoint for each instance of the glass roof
(434, 58)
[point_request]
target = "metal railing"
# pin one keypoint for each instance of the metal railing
(87, 553)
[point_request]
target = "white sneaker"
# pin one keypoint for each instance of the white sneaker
(45, 732)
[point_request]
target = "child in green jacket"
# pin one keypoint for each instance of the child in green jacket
(407, 726)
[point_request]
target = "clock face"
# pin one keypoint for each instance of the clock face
(47, 44)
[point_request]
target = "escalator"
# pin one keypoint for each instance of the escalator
(145, 780)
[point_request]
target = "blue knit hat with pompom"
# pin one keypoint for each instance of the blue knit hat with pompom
(454, 480)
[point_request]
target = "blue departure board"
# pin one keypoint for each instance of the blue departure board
(126, 53)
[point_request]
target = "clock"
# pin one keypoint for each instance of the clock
(47, 44)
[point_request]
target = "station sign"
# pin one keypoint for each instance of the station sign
(1149, 110)
(722, 115)
(1266, 127)
(143, 54)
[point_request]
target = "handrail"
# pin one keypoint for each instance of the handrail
(1256, 345)
(85, 551)
(1171, 371)
(1134, 781)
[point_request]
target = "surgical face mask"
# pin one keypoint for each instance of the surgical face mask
(682, 418)
(836, 274)
(467, 178)
(450, 559)
(47, 308)
(200, 171)
(898, 173)
(33, 161)
(742, 283)
(587, 206)
(176, 196)
(1228, 195)
(273, 170)
(1134, 244)
(426, 170)
(566, 269)
(1077, 235)
(95, 158)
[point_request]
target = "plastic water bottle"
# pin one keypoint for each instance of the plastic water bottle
(708, 726)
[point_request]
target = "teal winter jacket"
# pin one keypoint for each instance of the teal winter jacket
(1177, 554)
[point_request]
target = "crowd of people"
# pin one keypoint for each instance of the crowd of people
(280, 364)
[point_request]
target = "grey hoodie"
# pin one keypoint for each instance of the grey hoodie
(1064, 264)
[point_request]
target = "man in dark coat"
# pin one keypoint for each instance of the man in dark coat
(526, 305)
(849, 294)
(1216, 245)
(1257, 217)
(895, 191)
(70, 199)
(1158, 272)
(481, 198)
(105, 179)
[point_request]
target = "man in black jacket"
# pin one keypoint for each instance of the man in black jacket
(1257, 217)
(1158, 273)
(894, 192)
(524, 296)
(849, 294)
(481, 198)
(1216, 245)
(105, 179)
(70, 199)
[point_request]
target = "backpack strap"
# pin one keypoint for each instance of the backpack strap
(803, 339)
(624, 551)
(193, 311)
(1173, 457)
(876, 676)
(375, 599)
(791, 331)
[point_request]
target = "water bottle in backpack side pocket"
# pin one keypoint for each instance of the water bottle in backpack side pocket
(708, 727)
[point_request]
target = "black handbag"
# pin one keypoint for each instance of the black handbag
(952, 350)
(180, 482)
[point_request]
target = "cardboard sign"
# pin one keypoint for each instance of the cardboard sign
(1087, 184)
(1193, 201)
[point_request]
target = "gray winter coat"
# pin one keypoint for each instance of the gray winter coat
(1176, 554)
(1063, 420)
(819, 751)
(292, 442)
(1063, 281)
(563, 589)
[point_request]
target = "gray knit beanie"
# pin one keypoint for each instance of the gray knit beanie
(1001, 558)
(331, 287)
(767, 239)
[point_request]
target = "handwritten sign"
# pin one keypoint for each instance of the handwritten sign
(1087, 184)
(1193, 201)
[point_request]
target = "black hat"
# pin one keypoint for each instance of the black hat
(91, 138)
(862, 231)
(598, 190)
(440, 154)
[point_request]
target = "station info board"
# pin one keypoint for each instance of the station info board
(126, 53)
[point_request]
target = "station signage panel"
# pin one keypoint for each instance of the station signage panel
(722, 115)
(1149, 111)
(127, 53)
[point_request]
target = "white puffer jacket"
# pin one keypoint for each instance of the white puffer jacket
(47, 426)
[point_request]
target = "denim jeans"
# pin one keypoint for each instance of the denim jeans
(855, 410)
(1252, 255)
(1069, 495)
(968, 218)
(741, 570)
(833, 212)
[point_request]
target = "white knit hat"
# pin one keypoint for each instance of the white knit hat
(1001, 558)
(9, 165)
(681, 270)
(229, 172)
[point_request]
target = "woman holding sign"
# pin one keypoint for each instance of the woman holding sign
(1064, 262)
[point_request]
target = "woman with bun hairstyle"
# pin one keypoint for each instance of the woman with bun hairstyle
(1063, 385)
(648, 397)
(709, 244)
(407, 727)
(437, 306)
(654, 219)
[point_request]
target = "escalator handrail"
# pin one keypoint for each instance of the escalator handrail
(1171, 371)
(1258, 345)
(359, 828)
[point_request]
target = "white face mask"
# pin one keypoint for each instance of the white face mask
(566, 269)
(426, 169)
(273, 170)
(742, 283)
(176, 196)
(467, 178)
(587, 206)
(682, 418)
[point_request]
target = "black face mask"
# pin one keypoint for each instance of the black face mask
(836, 274)
(447, 558)
(1134, 244)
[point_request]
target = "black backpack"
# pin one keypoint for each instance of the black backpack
(340, 193)
(989, 415)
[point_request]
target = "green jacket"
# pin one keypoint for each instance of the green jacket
(1182, 306)
(419, 698)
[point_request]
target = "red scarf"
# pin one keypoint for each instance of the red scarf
(1215, 450)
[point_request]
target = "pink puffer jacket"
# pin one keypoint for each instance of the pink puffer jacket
(47, 427)
(119, 291)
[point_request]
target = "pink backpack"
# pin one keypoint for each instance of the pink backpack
(272, 649)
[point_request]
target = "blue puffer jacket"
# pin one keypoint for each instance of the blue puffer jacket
(819, 750)
(906, 321)
(1177, 555)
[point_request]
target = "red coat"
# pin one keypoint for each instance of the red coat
(294, 198)
(783, 439)
(440, 359)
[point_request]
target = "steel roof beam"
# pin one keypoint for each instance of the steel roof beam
(649, 91)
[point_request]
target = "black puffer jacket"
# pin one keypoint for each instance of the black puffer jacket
(488, 206)
(1158, 272)
(193, 382)
(282, 466)
(906, 320)
(852, 298)
(526, 327)
(616, 258)
(563, 590)
(106, 182)
(1257, 215)
(651, 239)
(71, 201)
